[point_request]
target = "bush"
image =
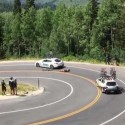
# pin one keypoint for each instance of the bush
(70, 58)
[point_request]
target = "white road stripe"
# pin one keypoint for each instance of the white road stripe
(41, 106)
(116, 115)
(63, 99)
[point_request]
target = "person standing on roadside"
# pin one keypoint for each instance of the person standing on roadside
(11, 84)
(113, 73)
(3, 85)
(108, 59)
(15, 86)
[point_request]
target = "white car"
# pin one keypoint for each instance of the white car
(50, 63)
(108, 85)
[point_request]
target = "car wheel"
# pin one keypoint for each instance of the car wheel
(37, 65)
(51, 67)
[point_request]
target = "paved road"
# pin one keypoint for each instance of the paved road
(65, 95)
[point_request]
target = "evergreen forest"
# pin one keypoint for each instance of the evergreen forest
(86, 32)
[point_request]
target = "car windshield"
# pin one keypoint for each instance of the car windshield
(57, 60)
(49, 60)
(111, 83)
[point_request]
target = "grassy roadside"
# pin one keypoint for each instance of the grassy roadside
(21, 88)
(67, 58)
(90, 60)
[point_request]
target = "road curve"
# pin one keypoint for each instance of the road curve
(64, 94)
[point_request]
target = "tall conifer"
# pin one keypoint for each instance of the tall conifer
(17, 7)
(94, 11)
(29, 4)
(1, 37)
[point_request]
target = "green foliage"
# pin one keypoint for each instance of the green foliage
(84, 58)
(77, 32)
(91, 13)
(29, 4)
(7, 43)
(1, 37)
(43, 30)
(70, 58)
(16, 35)
(17, 7)
(106, 26)
(28, 32)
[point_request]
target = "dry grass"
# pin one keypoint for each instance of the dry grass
(21, 88)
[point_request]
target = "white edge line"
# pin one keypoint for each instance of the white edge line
(71, 87)
(116, 115)
(68, 96)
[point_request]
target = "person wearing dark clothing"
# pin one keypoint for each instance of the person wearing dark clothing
(108, 59)
(11, 84)
(65, 70)
(3, 85)
(15, 86)
(113, 73)
(103, 73)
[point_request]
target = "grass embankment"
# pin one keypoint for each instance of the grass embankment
(91, 60)
(21, 89)
(68, 58)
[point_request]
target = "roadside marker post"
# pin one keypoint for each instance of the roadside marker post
(38, 83)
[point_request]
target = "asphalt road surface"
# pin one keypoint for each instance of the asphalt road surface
(68, 99)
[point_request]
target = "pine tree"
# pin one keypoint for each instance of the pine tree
(1, 29)
(7, 44)
(29, 4)
(17, 7)
(43, 29)
(91, 12)
(28, 31)
(1, 37)
(94, 11)
(16, 35)
(106, 33)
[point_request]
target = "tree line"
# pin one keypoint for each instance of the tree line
(87, 32)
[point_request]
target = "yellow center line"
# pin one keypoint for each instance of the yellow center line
(76, 111)
(71, 113)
